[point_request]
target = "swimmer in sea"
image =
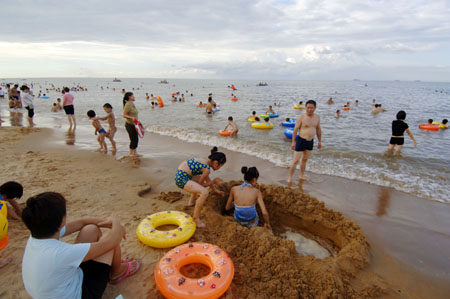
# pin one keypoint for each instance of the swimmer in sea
(330, 101)
(270, 110)
(398, 128)
(245, 198)
(209, 106)
(98, 129)
(309, 126)
(54, 108)
(338, 113)
(233, 125)
(356, 103)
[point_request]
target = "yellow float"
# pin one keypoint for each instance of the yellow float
(149, 235)
(299, 107)
(251, 118)
(442, 126)
(264, 126)
(3, 224)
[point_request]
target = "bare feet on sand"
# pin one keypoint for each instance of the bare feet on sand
(5, 261)
(199, 223)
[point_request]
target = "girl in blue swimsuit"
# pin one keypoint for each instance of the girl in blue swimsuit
(193, 176)
(245, 198)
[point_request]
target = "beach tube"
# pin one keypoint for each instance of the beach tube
(290, 123)
(299, 107)
(429, 127)
(251, 118)
(234, 99)
(271, 115)
(172, 284)
(225, 133)
(201, 106)
(288, 133)
(139, 128)
(3, 224)
(264, 126)
(44, 97)
(346, 108)
(234, 88)
(161, 104)
(149, 235)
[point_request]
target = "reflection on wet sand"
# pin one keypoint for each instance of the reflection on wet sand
(15, 118)
(384, 196)
(70, 137)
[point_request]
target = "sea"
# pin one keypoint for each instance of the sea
(353, 146)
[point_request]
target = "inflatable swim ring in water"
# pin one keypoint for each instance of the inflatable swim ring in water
(201, 106)
(173, 284)
(442, 126)
(299, 107)
(251, 118)
(288, 133)
(429, 127)
(149, 235)
(270, 115)
(234, 99)
(44, 97)
(264, 126)
(289, 123)
(161, 104)
(225, 133)
(346, 108)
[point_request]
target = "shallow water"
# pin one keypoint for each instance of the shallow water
(306, 246)
(353, 146)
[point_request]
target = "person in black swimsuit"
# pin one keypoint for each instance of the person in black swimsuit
(398, 129)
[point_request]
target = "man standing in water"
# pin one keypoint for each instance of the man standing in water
(68, 107)
(309, 125)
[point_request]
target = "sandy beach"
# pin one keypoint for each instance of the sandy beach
(382, 243)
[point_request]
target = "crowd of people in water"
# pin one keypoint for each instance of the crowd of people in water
(56, 269)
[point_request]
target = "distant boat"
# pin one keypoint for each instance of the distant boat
(163, 82)
(262, 84)
(117, 80)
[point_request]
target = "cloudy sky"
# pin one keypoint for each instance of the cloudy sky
(261, 39)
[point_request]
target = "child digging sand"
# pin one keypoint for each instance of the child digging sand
(112, 125)
(245, 198)
(101, 132)
(55, 269)
(193, 176)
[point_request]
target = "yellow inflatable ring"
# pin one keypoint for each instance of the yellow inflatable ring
(264, 126)
(3, 226)
(149, 235)
(299, 107)
(442, 126)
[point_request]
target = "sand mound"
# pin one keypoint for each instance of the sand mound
(268, 266)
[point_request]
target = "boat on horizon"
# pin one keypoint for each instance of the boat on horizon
(117, 80)
(163, 82)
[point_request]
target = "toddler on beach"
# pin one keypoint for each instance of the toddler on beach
(192, 176)
(55, 269)
(233, 125)
(112, 124)
(245, 198)
(98, 128)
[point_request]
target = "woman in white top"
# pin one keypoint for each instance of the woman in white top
(27, 102)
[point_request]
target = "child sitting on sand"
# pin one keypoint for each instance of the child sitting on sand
(112, 124)
(234, 127)
(9, 191)
(245, 198)
(101, 132)
(55, 269)
(192, 176)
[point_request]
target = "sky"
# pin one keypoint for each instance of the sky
(257, 40)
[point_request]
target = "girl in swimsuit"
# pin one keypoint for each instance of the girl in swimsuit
(245, 198)
(193, 176)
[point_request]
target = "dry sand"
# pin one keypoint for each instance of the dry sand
(267, 265)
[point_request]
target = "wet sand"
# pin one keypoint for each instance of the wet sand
(387, 243)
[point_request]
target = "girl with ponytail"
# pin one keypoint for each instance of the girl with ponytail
(245, 198)
(192, 176)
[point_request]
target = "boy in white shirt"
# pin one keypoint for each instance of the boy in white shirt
(55, 269)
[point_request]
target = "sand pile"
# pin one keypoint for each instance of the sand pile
(268, 266)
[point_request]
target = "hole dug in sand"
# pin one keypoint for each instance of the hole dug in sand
(267, 265)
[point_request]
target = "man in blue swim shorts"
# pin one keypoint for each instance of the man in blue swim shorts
(307, 125)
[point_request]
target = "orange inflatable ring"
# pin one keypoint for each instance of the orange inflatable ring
(346, 108)
(429, 127)
(225, 133)
(172, 284)
(234, 99)
(201, 106)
